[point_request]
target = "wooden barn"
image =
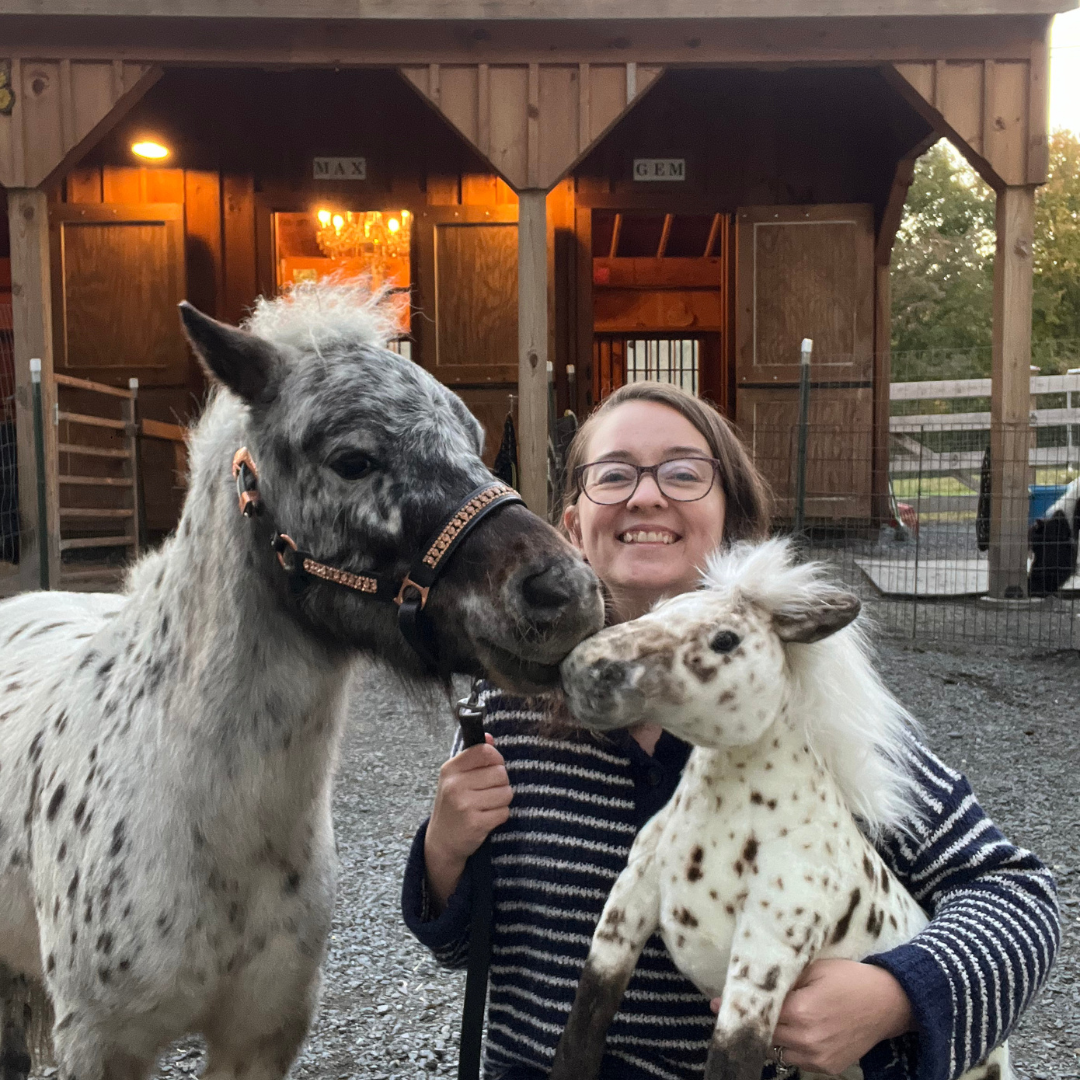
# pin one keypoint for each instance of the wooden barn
(570, 195)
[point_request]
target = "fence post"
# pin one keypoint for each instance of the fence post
(39, 461)
(804, 416)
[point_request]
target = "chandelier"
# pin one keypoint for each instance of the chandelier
(379, 238)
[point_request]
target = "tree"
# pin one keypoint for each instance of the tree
(943, 268)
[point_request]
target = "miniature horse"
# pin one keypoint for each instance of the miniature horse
(167, 756)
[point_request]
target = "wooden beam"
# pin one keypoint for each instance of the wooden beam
(684, 41)
(1010, 397)
(533, 349)
(31, 301)
(894, 207)
(572, 10)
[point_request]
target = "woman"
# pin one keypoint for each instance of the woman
(564, 806)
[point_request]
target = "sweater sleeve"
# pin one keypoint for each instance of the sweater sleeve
(447, 934)
(993, 934)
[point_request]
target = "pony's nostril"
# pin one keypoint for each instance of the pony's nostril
(609, 674)
(548, 589)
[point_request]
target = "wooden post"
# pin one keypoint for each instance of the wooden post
(31, 301)
(533, 349)
(1010, 397)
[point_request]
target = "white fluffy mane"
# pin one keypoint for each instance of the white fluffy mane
(322, 315)
(852, 722)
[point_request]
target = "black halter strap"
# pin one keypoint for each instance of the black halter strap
(411, 592)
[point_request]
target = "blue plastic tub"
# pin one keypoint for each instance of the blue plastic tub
(1042, 497)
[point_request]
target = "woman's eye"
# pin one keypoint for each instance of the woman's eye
(615, 476)
(725, 641)
(352, 465)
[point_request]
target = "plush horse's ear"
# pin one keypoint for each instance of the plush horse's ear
(249, 366)
(807, 624)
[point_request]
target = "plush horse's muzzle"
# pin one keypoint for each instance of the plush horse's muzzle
(602, 693)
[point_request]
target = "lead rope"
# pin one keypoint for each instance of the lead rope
(470, 715)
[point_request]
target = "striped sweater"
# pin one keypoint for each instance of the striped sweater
(577, 807)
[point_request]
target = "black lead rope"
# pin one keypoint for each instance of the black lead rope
(470, 715)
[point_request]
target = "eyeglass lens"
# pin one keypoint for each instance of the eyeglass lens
(683, 479)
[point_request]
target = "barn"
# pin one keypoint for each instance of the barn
(566, 196)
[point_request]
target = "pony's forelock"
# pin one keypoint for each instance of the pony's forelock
(861, 733)
(316, 316)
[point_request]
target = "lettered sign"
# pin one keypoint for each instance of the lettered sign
(340, 168)
(659, 168)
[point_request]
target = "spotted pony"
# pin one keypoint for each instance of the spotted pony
(756, 866)
(167, 755)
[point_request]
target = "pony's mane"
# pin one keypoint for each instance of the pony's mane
(322, 316)
(852, 722)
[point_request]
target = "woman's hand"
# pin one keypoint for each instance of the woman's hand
(473, 797)
(838, 1011)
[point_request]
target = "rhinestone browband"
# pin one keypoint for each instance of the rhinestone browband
(458, 522)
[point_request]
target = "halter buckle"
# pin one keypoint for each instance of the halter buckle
(281, 542)
(246, 476)
(408, 583)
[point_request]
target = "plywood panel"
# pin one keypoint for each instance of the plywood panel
(490, 405)
(630, 310)
(83, 186)
(459, 98)
(123, 184)
(202, 241)
(559, 100)
(805, 272)
(839, 445)
(121, 277)
(164, 185)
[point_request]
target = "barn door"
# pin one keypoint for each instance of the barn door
(118, 276)
(807, 272)
(465, 321)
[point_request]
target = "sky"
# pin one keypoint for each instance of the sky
(1065, 71)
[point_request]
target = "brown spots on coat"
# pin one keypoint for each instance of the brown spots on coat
(841, 929)
(885, 879)
(772, 978)
(693, 871)
(686, 917)
(55, 801)
(875, 921)
(702, 671)
(750, 850)
(868, 868)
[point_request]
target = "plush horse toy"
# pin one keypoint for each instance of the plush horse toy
(756, 866)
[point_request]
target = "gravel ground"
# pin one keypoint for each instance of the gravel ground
(1007, 717)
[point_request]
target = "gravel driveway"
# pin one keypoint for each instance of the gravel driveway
(1008, 718)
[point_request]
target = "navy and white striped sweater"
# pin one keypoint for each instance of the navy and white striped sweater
(577, 807)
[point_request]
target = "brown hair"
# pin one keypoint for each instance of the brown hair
(745, 491)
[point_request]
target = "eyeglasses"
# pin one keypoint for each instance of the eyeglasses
(682, 479)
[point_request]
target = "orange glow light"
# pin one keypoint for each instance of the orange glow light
(152, 151)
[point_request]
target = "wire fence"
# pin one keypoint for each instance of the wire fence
(9, 471)
(911, 525)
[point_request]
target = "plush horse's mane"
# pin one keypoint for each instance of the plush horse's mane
(317, 316)
(858, 730)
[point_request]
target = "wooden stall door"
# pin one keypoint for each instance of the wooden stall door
(118, 276)
(465, 307)
(807, 272)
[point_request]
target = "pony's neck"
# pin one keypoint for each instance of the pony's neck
(239, 649)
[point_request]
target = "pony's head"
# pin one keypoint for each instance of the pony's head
(361, 456)
(715, 667)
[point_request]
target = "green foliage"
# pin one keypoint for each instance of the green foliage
(943, 268)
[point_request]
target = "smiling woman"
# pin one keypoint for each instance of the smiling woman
(658, 481)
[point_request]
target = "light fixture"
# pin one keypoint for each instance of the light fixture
(376, 237)
(150, 150)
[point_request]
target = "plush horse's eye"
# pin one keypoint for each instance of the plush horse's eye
(352, 465)
(725, 641)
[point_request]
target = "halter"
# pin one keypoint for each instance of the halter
(410, 594)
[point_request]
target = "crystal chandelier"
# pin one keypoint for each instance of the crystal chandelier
(377, 237)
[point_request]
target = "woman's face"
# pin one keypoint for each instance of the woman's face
(649, 546)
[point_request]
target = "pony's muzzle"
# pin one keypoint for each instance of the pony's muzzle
(558, 600)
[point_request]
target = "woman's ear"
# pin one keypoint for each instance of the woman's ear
(572, 525)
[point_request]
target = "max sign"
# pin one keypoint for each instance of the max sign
(659, 168)
(340, 168)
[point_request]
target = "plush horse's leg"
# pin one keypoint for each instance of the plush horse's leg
(265, 1057)
(759, 976)
(14, 1053)
(630, 916)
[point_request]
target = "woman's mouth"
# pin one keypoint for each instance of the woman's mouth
(648, 536)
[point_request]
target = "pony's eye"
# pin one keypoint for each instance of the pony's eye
(725, 641)
(352, 465)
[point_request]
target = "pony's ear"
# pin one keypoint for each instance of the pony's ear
(814, 622)
(249, 366)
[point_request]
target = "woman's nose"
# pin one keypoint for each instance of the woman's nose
(648, 493)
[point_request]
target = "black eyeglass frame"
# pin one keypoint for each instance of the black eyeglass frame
(643, 470)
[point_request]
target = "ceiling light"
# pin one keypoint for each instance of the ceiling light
(152, 151)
